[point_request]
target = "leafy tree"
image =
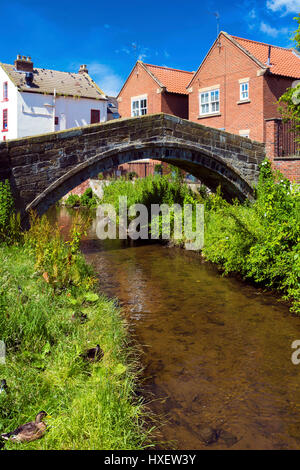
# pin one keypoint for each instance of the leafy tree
(290, 100)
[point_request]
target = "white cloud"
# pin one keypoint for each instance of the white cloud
(288, 6)
(270, 31)
(105, 78)
(252, 14)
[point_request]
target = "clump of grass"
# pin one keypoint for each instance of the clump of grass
(93, 406)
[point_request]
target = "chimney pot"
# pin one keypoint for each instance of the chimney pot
(23, 63)
(83, 69)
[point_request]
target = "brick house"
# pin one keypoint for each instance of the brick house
(236, 88)
(153, 89)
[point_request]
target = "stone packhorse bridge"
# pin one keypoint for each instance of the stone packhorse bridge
(43, 168)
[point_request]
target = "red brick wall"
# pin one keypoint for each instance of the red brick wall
(139, 83)
(290, 168)
(79, 190)
(173, 103)
(224, 66)
(274, 87)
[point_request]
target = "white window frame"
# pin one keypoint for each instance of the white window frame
(139, 105)
(212, 104)
(244, 90)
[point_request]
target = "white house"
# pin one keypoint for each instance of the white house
(36, 101)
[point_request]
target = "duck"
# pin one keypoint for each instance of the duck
(3, 386)
(28, 432)
(93, 354)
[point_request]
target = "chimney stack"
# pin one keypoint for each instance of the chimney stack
(24, 63)
(83, 69)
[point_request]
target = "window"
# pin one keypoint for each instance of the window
(244, 91)
(56, 120)
(139, 106)
(244, 133)
(5, 91)
(95, 116)
(210, 102)
(4, 121)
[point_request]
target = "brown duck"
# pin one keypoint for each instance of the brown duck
(28, 432)
(93, 354)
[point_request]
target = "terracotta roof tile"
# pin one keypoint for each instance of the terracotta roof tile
(283, 61)
(174, 80)
(65, 83)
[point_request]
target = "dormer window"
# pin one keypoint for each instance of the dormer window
(5, 91)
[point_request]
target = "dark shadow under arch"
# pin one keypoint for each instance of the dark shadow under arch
(211, 169)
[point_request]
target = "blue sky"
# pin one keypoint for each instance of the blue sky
(109, 36)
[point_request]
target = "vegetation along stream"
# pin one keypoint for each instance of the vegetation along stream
(217, 352)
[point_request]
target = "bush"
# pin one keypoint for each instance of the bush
(88, 199)
(73, 200)
(60, 262)
(261, 240)
(10, 225)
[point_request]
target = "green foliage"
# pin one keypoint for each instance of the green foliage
(150, 190)
(88, 199)
(73, 200)
(10, 225)
(131, 175)
(262, 240)
(158, 168)
(59, 261)
(289, 102)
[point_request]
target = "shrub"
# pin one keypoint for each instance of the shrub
(10, 225)
(73, 200)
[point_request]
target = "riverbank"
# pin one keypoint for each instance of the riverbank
(93, 405)
(258, 240)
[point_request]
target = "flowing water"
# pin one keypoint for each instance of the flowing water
(217, 352)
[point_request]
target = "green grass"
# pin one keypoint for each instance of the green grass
(92, 406)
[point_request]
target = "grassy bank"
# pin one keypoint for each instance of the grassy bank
(259, 240)
(50, 313)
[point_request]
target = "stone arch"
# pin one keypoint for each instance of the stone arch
(200, 162)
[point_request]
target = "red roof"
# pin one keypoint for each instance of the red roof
(283, 61)
(174, 80)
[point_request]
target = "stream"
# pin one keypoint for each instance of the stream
(216, 351)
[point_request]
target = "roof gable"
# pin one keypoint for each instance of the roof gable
(283, 61)
(239, 46)
(171, 80)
